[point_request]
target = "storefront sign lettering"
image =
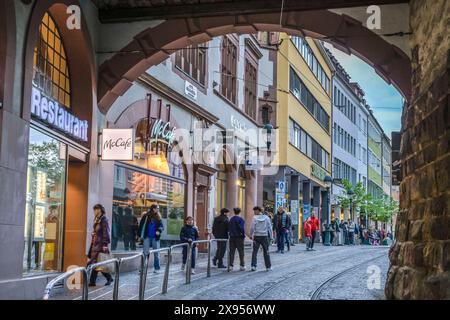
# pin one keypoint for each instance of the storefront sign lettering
(117, 144)
(237, 125)
(52, 113)
(162, 131)
(190, 90)
(318, 172)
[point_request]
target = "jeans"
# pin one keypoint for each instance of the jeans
(262, 241)
(155, 244)
(237, 243)
(282, 237)
(129, 241)
(351, 238)
(185, 249)
(221, 248)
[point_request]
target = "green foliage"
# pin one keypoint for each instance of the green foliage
(45, 157)
(378, 209)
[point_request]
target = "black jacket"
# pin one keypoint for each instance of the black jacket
(144, 225)
(188, 232)
(220, 227)
(277, 221)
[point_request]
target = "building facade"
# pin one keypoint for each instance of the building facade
(304, 123)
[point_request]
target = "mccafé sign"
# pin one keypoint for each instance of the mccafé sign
(117, 144)
(162, 131)
(50, 112)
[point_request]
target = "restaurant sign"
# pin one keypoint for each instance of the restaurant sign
(117, 144)
(162, 132)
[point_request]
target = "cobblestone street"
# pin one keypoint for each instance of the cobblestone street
(327, 273)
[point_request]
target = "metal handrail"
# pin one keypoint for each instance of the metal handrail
(52, 283)
(143, 269)
(116, 263)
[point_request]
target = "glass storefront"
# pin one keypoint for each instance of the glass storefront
(153, 177)
(221, 189)
(44, 213)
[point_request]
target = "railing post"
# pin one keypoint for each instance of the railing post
(85, 290)
(147, 257)
(116, 280)
(208, 268)
(228, 255)
(188, 263)
(141, 278)
(166, 273)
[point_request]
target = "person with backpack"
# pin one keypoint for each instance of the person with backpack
(236, 231)
(220, 231)
(261, 234)
(188, 234)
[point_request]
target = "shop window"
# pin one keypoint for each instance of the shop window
(221, 189)
(229, 69)
(44, 211)
(192, 61)
(50, 67)
(134, 197)
(241, 188)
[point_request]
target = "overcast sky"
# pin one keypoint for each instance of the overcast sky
(385, 101)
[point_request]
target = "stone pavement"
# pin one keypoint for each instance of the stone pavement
(297, 274)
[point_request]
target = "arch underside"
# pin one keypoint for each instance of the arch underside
(154, 45)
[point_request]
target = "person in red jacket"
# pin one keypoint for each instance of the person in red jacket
(308, 235)
(314, 229)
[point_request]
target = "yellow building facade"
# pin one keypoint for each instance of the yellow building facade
(303, 114)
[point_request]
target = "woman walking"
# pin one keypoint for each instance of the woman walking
(99, 243)
(150, 230)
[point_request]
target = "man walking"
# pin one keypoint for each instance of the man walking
(314, 229)
(351, 232)
(236, 228)
(220, 231)
(282, 223)
(261, 234)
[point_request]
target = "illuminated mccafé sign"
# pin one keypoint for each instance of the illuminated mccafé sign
(162, 131)
(50, 112)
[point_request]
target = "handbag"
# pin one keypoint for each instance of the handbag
(108, 268)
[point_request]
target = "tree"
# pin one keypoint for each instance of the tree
(358, 199)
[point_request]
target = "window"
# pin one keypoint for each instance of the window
(299, 90)
(251, 72)
(45, 206)
(229, 69)
(192, 61)
(265, 114)
(50, 67)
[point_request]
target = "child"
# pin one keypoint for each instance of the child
(308, 233)
(188, 234)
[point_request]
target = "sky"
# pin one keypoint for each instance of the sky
(384, 99)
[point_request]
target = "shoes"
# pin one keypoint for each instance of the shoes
(155, 271)
(183, 267)
(214, 261)
(222, 267)
(253, 268)
(269, 269)
(192, 271)
(282, 252)
(92, 285)
(230, 269)
(242, 268)
(109, 282)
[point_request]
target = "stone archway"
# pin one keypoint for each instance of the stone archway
(154, 45)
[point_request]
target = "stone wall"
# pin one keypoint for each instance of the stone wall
(420, 258)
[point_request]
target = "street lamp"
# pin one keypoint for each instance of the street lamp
(328, 181)
(268, 128)
(350, 194)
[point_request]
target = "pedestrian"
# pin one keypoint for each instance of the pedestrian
(236, 229)
(129, 222)
(150, 230)
(333, 232)
(282, 224)
(99, 243)
(261, 234)
(314, 229)
(188, 234)
(220, 231)
(116, 229)
(351, 232)
(308, 234)
(324, 230)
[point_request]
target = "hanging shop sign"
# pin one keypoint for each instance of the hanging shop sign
(117, 144)
(56, 116)
(162, 131)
